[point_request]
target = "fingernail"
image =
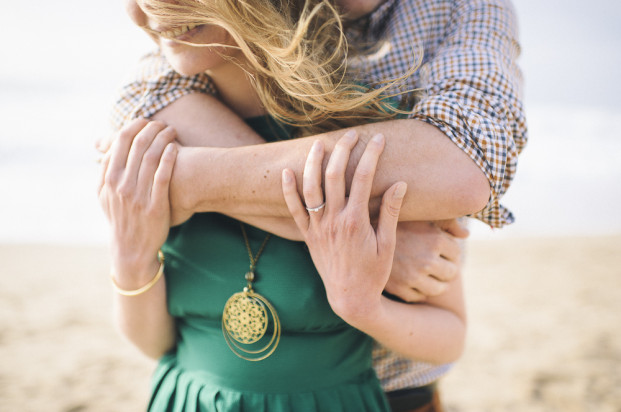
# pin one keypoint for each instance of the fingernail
(316, 146)
(400, 190)
(286, 177)
(350, 134)
(378, 138)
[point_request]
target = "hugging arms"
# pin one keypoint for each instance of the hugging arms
(133, 191)
(446, 177)
(456, 153)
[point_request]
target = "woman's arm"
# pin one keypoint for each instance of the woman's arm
(354, 259)
(443, 181)
(425, 262)
(133, 192)
(201, 120)
(244, 182)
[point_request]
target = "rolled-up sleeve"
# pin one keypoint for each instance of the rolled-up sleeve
(153, 85)
(473, 94)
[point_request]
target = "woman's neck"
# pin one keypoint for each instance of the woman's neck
(236, 91)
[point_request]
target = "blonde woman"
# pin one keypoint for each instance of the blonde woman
(243, 321)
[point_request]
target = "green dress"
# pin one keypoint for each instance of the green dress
(321, 363)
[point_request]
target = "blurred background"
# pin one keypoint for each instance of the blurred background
(557, 265)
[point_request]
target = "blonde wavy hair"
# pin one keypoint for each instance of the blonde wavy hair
(297, 53)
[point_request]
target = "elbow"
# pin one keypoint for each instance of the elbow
(152, 344)
(451, 344)
(151, 348)
(480, 194)
(153, 353)
(472, 193)
(458, 346)
(452, 349)
(457, 349)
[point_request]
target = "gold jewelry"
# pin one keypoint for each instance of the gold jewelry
(135, 292)
(246, 316)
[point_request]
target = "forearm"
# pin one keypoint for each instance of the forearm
(433, 331)
(418, 331)
(144, 319)
(442, 180)
(201, 120)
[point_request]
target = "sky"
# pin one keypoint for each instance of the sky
(571, 51)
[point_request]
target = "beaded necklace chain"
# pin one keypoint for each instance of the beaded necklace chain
(247, 314)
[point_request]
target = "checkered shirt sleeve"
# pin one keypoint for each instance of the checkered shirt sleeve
(469, 76)
(470, 82)
(473, 88)
(396, 372)
(154, 86)
(472, 92)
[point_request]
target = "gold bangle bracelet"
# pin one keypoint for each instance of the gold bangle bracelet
(135, 292)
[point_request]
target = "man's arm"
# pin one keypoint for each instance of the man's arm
(472, 85)
(443, 182)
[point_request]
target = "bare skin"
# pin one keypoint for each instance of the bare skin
(354, 287)
(240, 181)
(425, 261)
(443, 181)
(428, 256)
(133, 192)
(240, 177)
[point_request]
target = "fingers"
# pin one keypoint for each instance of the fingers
(405, 293)
(365, 173)
(444, 270)
(141, 143)
(105, 161)
(335, 171)
(389, 217)
(134, 159)
(430, 287)
(150, 161)
(103, 145)
(163, 175)
(311, 180)
(450, 248)
(416, 288)
(455, 227)
(293, 201)
(120, 149)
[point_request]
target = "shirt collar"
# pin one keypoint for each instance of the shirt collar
(374, 23)
(379, 17)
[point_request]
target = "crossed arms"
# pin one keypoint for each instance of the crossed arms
(244, 181)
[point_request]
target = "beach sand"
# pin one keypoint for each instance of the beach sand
(544, 330)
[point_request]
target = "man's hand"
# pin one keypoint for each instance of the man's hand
(427, 258)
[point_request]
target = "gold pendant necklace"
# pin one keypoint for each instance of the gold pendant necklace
(246, 317)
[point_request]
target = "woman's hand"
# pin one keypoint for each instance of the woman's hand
(133, 192)
(353, 258)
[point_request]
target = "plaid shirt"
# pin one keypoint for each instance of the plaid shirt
(469, 75)
(472, 92)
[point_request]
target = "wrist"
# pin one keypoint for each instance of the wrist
(357, 310)
(182, 196)
(198, 181)
(132, 271)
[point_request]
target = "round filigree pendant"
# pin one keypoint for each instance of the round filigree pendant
(245, 321)
(245, 318)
